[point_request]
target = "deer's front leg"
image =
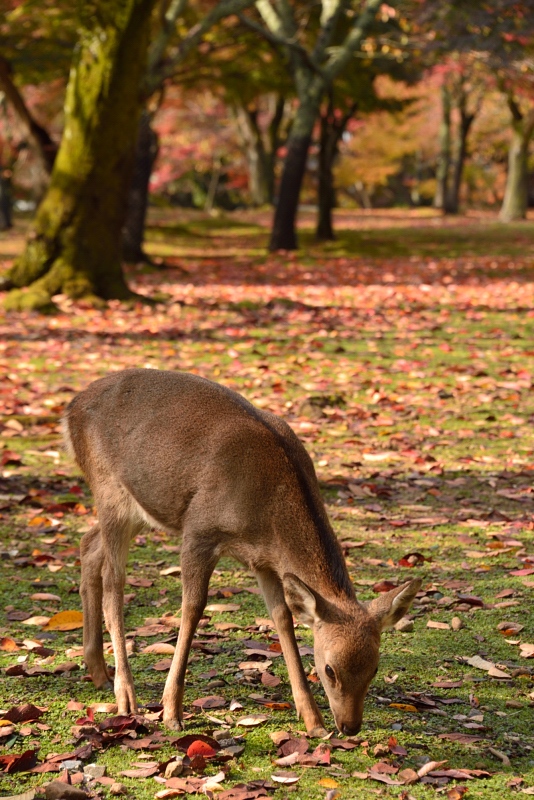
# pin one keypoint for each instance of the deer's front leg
(197, 564)
(92, 558)
(272, 590)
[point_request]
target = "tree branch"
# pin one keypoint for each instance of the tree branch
(45, 147)
(225, 8)
(343, 54)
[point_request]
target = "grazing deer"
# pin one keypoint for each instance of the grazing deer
(194, 458)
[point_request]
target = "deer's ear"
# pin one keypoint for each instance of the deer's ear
(391, 606)
(302, 601)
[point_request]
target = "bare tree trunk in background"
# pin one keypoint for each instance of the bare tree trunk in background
(134, 226)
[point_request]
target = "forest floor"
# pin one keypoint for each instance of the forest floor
(403, 356)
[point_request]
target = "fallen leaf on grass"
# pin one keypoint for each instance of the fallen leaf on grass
(462, 738)
(220, 608)
(404, 707)
(270, 680)
(527, 650)
(144, 583)
(487, 666)
(287, 778)
(39, 621)
(18, 763)
(65, 621)
(163, 665)
(456, 792)
(442, 626)
(23, 713)
(328, 783)
(143, 772)
(8, 644)
(212, 701)
(160, 648)
(252, 720)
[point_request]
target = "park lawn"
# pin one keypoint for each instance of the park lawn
(403, 356)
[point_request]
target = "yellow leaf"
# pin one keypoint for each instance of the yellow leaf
(404, 707)
(65, 621)
(328, 783)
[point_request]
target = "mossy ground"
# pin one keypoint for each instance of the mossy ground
(404, 357)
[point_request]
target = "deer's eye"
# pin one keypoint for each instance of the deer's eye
(329, 672)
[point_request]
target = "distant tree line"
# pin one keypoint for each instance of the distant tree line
(291, 75)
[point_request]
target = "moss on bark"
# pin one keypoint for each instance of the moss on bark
(75, 245)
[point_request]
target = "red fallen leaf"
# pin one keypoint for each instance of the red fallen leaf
(323, 753)
(412, 559)
(383, 586)
(18, 763)
(293, 746)
(198, 763)
(200, 748)
(471, 600)
(185, 741)
(88, 719)
(23, 713)
(343, 744)
(76, 490)
(212, 701)
(526, 571)
(10, 457)
(396, 748)
(15, 669)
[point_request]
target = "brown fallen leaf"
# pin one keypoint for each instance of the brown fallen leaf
(64, 621)
(160, 648)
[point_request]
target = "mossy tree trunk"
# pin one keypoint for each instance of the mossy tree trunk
(515, 201)
(75, 245)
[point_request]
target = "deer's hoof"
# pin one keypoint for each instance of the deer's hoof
(174, 724)
(318, 732)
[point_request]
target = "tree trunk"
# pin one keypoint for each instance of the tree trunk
(39, 138)
(444, 159)
(515, 203)
(75, 247)
(133, 231)
(5, 203)
(284, 235)
(452, 200)
(326, 196)
(258, 185)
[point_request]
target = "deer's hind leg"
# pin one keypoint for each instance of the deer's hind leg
(92, 559)
(116, 531)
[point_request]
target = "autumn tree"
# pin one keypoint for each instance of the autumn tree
(314, 64)
(500, 35)
(463, 85)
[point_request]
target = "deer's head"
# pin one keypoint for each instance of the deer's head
(346, 641)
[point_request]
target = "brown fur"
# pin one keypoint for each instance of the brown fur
(196, 459)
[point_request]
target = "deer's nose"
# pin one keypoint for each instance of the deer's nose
(350, 730)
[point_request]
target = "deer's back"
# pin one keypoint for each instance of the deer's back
(168, 437)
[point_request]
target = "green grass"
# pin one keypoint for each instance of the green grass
(414, 398)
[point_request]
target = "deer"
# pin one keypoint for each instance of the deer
(183, 454)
